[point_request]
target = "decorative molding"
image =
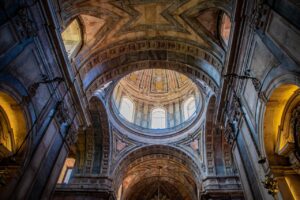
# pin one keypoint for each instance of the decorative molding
(119, 71)
(167, 14)
(271, 185)
(260, 15)
(184, 47)
(25, 24)
(234, 117)
(121, 145)
(295, 124)
(71, 137)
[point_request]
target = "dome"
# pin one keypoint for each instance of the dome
(156, 99)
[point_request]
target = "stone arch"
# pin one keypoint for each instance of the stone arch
(282, 99)
(99, 74)
(20, 113)
(275, 108)
(15, 120)
(183, 169)
(209, 136)
(19, 117)
(98, 139)
(269, 87)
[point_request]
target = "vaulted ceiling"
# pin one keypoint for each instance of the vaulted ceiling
(124, 36)
(118, 34)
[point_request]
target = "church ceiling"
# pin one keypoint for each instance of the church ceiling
(158, 85)
(158, 170)
(134, 19)
(119, 39)
(120, 33)
(150, 166)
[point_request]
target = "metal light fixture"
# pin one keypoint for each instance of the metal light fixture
(246, 76)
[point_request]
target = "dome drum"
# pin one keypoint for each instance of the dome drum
(155, 103)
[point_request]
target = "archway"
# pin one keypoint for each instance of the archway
(209, 136)
(281, 137)
(13, 125)
(154, 171)
(98, 138)
(14, 145)
(93, 145)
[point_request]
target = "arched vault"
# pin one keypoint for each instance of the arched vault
(140, 172)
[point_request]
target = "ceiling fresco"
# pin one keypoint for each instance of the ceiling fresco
(158, 53)
(119, 35)
(157, 83)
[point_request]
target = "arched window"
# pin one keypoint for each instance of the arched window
(189, 107)
(225, 28)
(127, 109)
(158, 118)
(72, 38)
(66, 171)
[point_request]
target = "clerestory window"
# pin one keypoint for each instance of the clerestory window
(189, 107)
(158, 118)
(72, 38)
(127, 109)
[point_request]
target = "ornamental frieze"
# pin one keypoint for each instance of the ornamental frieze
(145, 45)
(119, 71)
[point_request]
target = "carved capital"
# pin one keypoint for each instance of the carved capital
(25, 25)
(62, 115)
(229, 134)
(260, 15)
(71, 138)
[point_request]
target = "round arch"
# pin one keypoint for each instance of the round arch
(14, 158)
(99, 137)
(20, 115)
(166, 164)
(94, 80)
(209, 135)
(276, 141)
(274, 113)
(278, 83)
(158, 118)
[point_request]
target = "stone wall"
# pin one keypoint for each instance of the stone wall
(32, 73)
(267, 54)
